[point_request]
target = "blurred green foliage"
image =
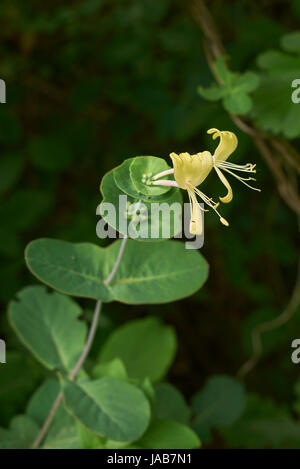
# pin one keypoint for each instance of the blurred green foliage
(91, 83)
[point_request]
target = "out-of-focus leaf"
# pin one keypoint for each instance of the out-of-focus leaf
(21, 434)
(114, 368)
(263, 425)
(18, 377)
(291, 42)
(218, 404)
(170, 404)
(275, 91)
(234, 91)
(145, 346)
(172, 435)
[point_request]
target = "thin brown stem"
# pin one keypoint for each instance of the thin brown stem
(85, 350)
(273, 151)
(280, 320)
(277, 154)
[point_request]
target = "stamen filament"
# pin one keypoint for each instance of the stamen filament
(163, 173)
(209, 203)
(242, 180)
(164, 182)
(248, 168)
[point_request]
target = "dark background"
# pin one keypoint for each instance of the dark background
(91, 83)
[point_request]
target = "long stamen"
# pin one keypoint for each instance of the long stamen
(248, 168)
(212, 205)
(243, 180)
(190, 200)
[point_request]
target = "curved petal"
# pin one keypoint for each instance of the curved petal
(227, 145)
(228, 197)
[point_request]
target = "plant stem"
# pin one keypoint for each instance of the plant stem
(89, 341)
(278, 321)
(48, 421)
(85, 351)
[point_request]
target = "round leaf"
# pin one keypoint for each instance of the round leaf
(145, 167)
(148, 272)
(134, 216)
(110, 407)
(146, 347)
(220, 403)
(47, 325)
(172, 435)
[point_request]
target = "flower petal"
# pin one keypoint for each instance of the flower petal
(191, 170)
(227, 145)
(196, 225)
(228, 197)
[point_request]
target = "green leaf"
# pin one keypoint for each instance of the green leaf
(291, 42)
(223, 72)
(170, 404)
(137, 218)
(263, 425)
(21, 435)
(218, 404)
(124, 182)
(145, 167)
(172, 435)
(114, 368)
(237, 102)
(147, 273)
(74, 269)
(146, 386)
(235, 89)
(88, 439)
(63, 432)
(277, 61)
(145, 346)
(247, 82)
(47, 325)
(18, 379)
(110, 407)
(213, 93)
(42, 400)
(279, 70)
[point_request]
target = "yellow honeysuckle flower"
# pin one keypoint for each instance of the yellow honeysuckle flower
(191, 170)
